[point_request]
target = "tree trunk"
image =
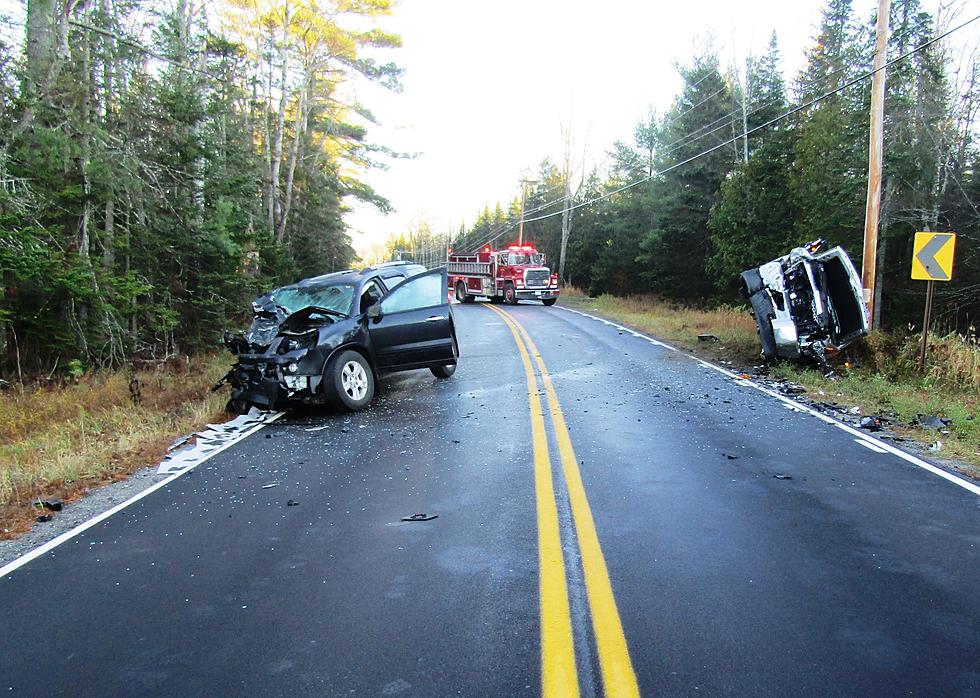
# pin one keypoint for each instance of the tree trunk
(299, 132)
(280, 119)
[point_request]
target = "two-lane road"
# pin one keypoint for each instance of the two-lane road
(613, 516)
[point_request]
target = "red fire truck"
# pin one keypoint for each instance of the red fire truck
(518, 272)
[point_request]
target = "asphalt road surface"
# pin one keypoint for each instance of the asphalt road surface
(614, 518)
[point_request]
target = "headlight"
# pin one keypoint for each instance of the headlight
(293, 342)
(296, 382)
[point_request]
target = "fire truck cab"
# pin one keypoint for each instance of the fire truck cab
(517, 272)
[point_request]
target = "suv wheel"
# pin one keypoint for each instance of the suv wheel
(348, 381)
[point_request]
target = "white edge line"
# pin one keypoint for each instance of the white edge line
(869, 444)
(887, 448)
(68, 535)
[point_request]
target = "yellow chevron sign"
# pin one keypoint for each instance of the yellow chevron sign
(932, 256)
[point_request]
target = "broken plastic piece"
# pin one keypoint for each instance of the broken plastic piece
(420, 517)
(932, 422)
(44, 518)
(708, 338)
(871, 423)
(270, 485)
(292, 503)
(782, 476)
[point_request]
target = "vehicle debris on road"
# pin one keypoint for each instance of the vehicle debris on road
(932, 422)
(49, 504)
(420, 517)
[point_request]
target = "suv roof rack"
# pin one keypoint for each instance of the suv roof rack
(383, 265)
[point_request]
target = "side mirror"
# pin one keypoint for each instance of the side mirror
(374, 312)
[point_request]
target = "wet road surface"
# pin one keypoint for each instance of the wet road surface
(613, 518)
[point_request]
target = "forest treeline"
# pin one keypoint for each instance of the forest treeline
(161, 162)
(709, 202)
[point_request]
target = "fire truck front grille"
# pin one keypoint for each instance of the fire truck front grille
(537, 278)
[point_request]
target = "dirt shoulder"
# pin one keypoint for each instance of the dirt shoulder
(66, 442)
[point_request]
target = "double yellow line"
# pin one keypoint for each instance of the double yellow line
(559, 675)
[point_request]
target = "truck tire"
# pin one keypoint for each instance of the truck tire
(510, 295)
(348, 381)
(549, 301)
(461, 295)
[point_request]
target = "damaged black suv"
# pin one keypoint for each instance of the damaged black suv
(327, 339)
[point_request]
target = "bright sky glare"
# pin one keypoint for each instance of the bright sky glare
(488, 86)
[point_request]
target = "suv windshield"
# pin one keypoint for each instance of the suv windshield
(337, 297)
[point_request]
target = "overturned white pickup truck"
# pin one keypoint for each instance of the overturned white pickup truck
(806, 303)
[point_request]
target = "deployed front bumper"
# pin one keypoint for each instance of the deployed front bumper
(266, 380)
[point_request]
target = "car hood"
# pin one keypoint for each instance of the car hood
(269, 321)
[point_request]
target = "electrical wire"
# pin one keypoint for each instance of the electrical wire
(785, 115)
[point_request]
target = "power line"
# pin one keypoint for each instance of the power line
(717, 124)
(777, 119)
(670, 148)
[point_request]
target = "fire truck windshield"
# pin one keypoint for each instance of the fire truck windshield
(525, 258)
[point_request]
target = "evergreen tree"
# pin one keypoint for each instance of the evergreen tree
(675, 243)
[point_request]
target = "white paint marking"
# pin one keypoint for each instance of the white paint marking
(68, 535)
(870, 444)
(886, 447)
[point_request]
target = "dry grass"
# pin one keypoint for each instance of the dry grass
(671, 322)
(60, 441)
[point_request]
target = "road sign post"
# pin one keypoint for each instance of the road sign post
(932, 260)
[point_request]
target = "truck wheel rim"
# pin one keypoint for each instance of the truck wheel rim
(355, 380)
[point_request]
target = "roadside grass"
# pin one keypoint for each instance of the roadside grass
(60, 441)
(883, 381)
(734, 327)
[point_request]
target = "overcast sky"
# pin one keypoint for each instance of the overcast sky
(488, 85)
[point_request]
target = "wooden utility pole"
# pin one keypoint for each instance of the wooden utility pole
(520, 225)
(875, 148)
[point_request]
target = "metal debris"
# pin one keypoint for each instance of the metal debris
(270, 485)
(420, 517)
(783, 476)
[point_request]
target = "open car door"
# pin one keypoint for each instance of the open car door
(412, 327)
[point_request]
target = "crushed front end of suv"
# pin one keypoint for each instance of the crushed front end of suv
(807, 303)
(329, 338)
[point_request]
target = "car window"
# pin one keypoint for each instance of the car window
(337, 297)
(392, 279)
(372, 294)
(418, 292)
